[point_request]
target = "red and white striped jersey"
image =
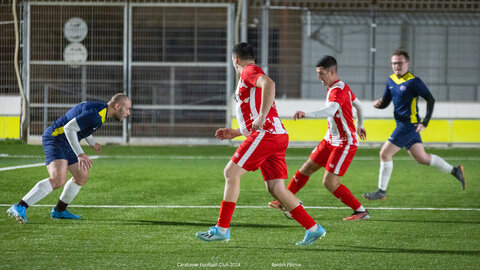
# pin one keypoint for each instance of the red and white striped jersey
(341, 128)
(249, 100)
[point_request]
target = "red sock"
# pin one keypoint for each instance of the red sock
(225, 215)
(297, 182)
(302, 217)
(346, 196)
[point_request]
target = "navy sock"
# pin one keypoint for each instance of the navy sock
(22, 203)
(61, 206)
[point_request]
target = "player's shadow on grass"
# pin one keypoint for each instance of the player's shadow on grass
(233, 225)
(184, 223)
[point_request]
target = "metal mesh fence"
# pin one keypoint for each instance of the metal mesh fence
(284, 48)
(56, 86)
(443, 48)
(104, 41)
(170, 59)
(8, 81)
(173, 57)
(172, 34)
(179, 74)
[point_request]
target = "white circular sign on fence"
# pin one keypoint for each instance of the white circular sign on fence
(75, 54)
(75, 29)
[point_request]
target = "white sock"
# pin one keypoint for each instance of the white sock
(440, 163)
(38, 192)
(361, 209)
(222, 230)
(69, 192)
(386, 168)
(314, 228)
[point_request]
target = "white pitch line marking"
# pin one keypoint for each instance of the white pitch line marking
(32, 165)
(22, 166)
(257, 207)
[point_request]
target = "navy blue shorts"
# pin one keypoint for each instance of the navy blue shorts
(405, 135)
(58, 148)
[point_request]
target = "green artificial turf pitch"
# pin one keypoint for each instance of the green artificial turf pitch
(141, 233)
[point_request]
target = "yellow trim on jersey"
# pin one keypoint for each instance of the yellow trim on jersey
(103, 114)
(58, 131)
(413, 110)
(403, 79)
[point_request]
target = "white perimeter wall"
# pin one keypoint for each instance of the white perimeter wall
(10, 105)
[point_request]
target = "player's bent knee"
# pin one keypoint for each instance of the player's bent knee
(384, 156)
(276, 189)
(81, 180)
(271, 190)
(231, 179)
(326, 184)
(331, 185)
(231, 175)
(57, 182)
(423, 161)
(308, 171)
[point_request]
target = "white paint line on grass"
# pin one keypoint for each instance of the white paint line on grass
(33, 165)
(259, 207)
(3, 155)
(22, 166)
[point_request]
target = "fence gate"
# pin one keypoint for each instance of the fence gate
(173, 61)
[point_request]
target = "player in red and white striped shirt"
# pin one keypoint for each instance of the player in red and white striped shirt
(264, 148)
(337, 149)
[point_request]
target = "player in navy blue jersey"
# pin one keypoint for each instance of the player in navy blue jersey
(403, 88)
(61, 144)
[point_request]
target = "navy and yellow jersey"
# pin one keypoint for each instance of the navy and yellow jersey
(404, 92)
(89, 115)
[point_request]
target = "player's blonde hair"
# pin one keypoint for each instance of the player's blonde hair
(118, 98)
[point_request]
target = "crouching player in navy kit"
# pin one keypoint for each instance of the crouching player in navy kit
(63, 153)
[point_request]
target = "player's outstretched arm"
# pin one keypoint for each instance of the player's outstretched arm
(378, 103)
(328, 111)
(227, 133)
(383, 102)
(71, 129)
(361, 131)
(84, 161)
(420, 127)
(268, 94)
(299, 115)
(430, 105)
(96, 146)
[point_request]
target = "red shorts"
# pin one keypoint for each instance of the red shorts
(264, 150)
(335, 159)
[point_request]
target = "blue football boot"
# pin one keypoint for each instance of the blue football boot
(18, 212)
(213, 234)
(310, 237)
(63, 215)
